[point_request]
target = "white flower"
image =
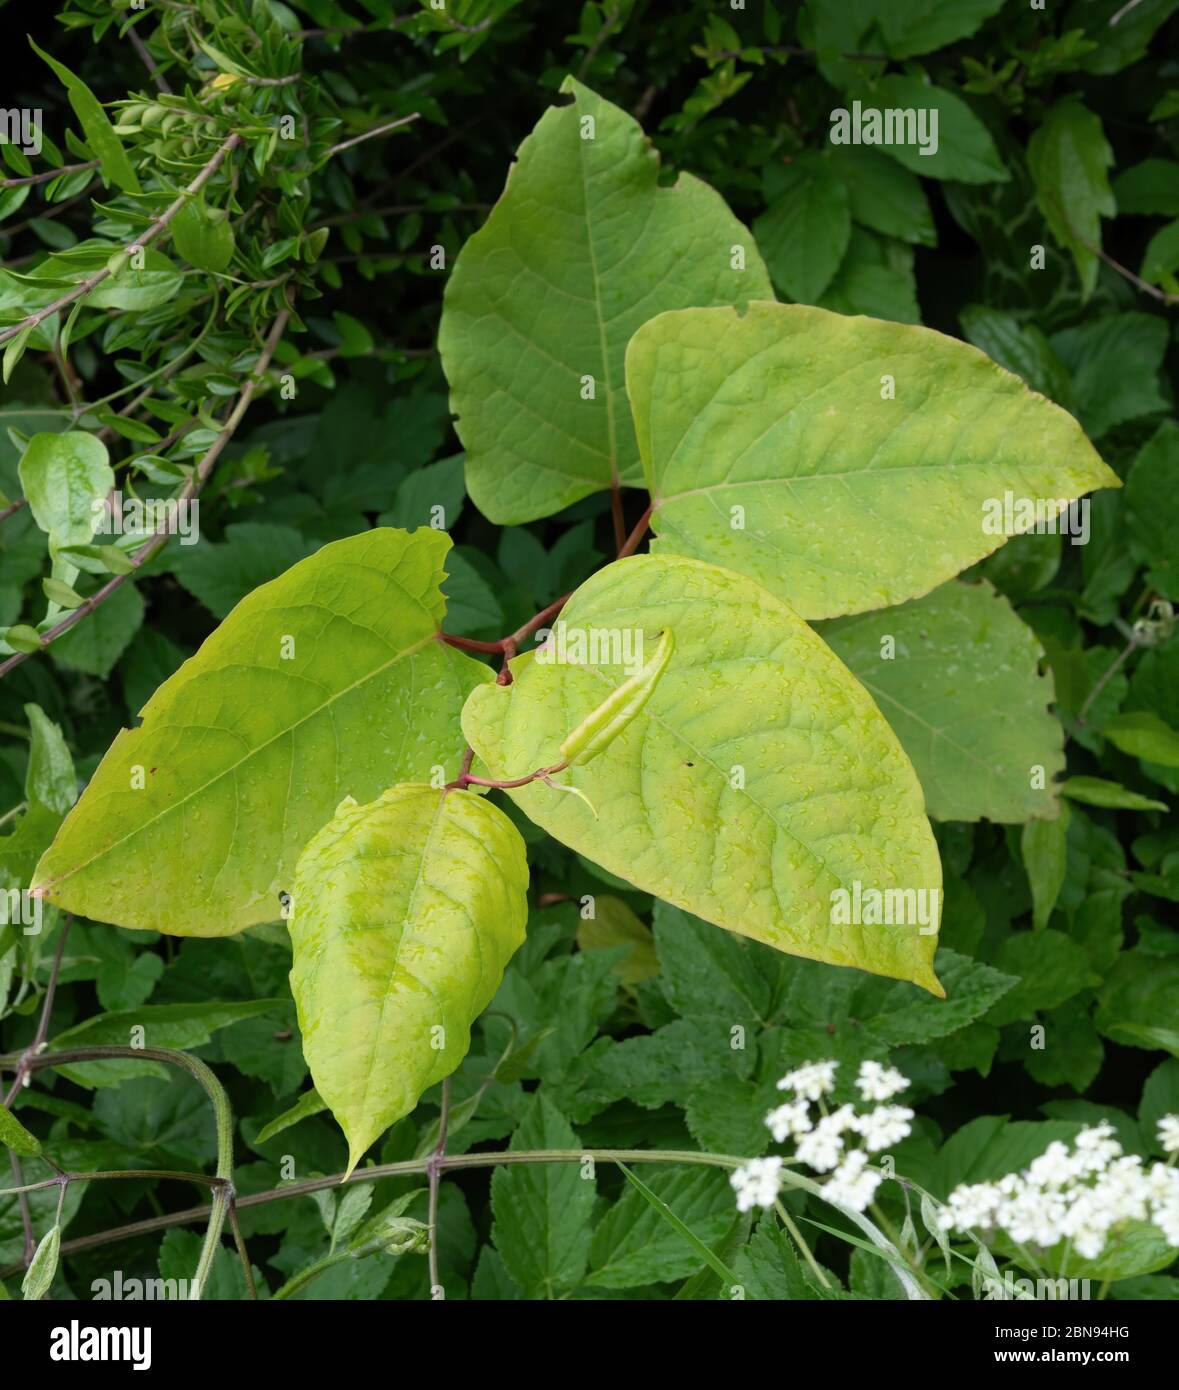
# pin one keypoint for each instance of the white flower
(884, 1126)
(1055, 1166)
(789, 1121)
(971, 1205)
(1163, 1183)
(811, 1080)
(757, 1182)
(1096, 1147)
(1169, 1134)
(1083, 1195)
(821, 1148)
(852, 1184)
(880, 1083)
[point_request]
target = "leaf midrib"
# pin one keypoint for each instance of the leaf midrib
(225, 772)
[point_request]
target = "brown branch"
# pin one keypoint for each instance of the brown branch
(194, 485)
(48, 174)
(154, 229)
(616, 513)
(633, 541)
(150, 63)
(372, 134)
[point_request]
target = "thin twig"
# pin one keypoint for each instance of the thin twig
(616, 513)
(149, 62)
(372, 134)
(153, 230)
(48, 174)
(633, 541)
(191, 489)
(223, 1195)
(23, 1067)
(434, 1177)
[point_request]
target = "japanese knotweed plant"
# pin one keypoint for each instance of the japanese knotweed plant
(330, 746)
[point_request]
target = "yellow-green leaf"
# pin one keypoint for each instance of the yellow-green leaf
(327, 682)
(845, 463)
(758, 785)
(404, 914)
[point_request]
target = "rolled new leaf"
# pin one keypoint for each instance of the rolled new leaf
(602, 726)
(404, 914)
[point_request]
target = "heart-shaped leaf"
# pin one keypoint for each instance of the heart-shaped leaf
(757, 786)
(844, 463)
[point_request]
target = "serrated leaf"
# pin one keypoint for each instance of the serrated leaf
(324, 683)
(404, 914)
(772, 445)
(634, 1244)
(957, 675)
(582, 248)
(542, 1211)
(49, 778)
(758, 780)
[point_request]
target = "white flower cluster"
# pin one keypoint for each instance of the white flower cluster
(1078, 1195)
(822, 1142)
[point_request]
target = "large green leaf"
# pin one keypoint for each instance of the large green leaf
(957, 675)
(772, 445)
(405, 913)
(758, 778)
(582, 248)
(326, 682)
